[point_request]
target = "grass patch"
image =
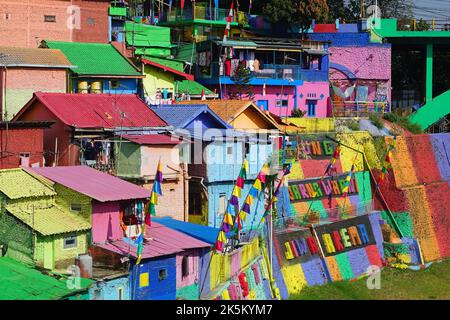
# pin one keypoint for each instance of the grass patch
(376, 120)
(403, 122)
(354, 126)
(429, 284)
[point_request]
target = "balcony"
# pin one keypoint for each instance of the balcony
(200, 13)
(359, 108)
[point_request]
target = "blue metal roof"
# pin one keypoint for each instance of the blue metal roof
(203, 233)
(180, 116)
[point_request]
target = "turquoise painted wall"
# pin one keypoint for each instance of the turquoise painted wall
(109, 290)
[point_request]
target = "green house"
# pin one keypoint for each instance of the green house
(33, 228)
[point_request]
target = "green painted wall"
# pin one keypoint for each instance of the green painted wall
(188, 292)
(128, 162)
(17, 237)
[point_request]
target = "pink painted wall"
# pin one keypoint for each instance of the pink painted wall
(105, 221)
(235, 263)
(193, 258)
(317, 88)
(370, 64)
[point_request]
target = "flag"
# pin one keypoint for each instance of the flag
(229, 20)
(333, 160)
(156, 191)
(264, 89)
(347, 180)
(249, 6)
(387, 160)
(203, 95)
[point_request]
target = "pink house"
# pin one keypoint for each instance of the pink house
(113, 206)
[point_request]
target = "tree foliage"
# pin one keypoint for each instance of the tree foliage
(296, 13)
(241, 79)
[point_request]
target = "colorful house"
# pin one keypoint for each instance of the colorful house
(112, 205)
(242, 115)
(170, 265)
(34, 228)
(83, 124)
(19, 281)
(22, 143)
(101, 68)
(24, 71)
(359, 69)
(137, 159)
(286, 74)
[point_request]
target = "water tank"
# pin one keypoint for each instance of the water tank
(82, 87)
(96, 87)
(84, 262)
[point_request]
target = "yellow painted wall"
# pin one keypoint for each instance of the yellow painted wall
(157, 79)
(66, 197)
(294, 278)
(362, 141)
(314, 124)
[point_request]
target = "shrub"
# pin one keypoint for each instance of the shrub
(376, 120)
(392, 117)
(404, 122)
(354, 126)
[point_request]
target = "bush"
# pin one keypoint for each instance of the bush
(376, 120)
(404, 122)
(298, 113)
(392, 117)
(354, 126)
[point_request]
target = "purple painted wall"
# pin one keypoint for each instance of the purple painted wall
(370, 64)
(105, 221)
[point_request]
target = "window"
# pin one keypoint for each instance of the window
(282, 103)
(114, 84)
(120, 293)
(222, 203)
(49, 18)
(162, 274)
(311, 108)
(25, 159)
(185, 266)
(75, 207)
(7, 16)
(230, 150)
(70, 242)
(143, 280)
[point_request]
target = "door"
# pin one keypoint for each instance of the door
(48, 255)
(311, 108)
(263, 104)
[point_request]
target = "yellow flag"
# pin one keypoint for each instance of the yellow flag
(228, 219)
(237, 192)
(257, 185)
(249, 200)
(243, 215)
(154, 198)
(222, 236)
(245, 165)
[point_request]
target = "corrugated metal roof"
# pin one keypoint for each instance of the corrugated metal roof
(159, 241)
(48, 221)
(93, 183)
(33, 57)
(193, 88)
(95, 58)
(203, 233)
(169, 69)
(179, 116)
(22, 282)
(98, 110)
(17, 183)
(152, 139)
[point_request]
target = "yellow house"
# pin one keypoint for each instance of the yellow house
(243, 115)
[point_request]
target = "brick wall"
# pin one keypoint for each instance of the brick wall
(22, 22)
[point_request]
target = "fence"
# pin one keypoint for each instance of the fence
(358, 108)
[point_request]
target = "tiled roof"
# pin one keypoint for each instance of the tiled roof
(179, 116)
(33, 57)
(152, 139)
(22, 282)
(17, 183)
(95, 58)
(97, 110)
(159, 241)
(48, 221)
(93, 183)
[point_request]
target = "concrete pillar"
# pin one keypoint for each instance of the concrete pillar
(429, 74)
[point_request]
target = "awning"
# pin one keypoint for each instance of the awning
(237, 44)
(315, 51)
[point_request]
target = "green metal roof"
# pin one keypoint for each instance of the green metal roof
(48, 221)
(118, 11)
(95, 58)
(143, 35)
(237, 44)
(21, 282)
(194, 88)
(17, 183)
(171, 63)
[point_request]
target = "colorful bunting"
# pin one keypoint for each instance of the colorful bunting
(348, 178)
(229, 20)
(387, 160)
(333, 160)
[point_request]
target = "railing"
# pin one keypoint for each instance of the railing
(201, 13)
(429, 25)
(358, 108)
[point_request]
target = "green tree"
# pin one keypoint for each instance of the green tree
(296, 13)
(241, 79)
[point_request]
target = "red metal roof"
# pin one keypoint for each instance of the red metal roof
(324, 28)
(152, 139)
(93, 183)
(159, 241)
(166, 68)
(98, 110)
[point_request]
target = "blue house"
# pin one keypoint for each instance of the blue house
(215, 159)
